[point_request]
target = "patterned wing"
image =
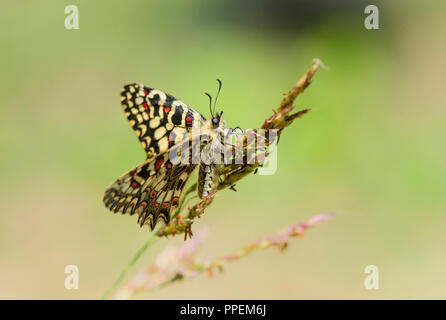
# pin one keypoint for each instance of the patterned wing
(154, 114)
(151, 190)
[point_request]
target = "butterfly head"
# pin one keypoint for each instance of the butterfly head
(217, 121)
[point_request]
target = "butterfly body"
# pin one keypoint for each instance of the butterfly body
(164, 124)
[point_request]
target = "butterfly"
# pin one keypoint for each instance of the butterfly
(165, 126)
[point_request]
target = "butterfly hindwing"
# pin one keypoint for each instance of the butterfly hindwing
(154, 114)
(151, 190)
(168, 194)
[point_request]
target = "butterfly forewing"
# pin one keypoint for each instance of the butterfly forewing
(154, 114)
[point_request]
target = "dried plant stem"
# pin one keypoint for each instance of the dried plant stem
(279, 241)
(184, 265)
(300, 86)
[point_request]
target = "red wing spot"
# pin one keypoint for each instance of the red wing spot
(135, 184)
(171, 139)
(168, 165)
(159, 162)
(189, 120)
(156, 205)
(146, 92)
(166, 110)
(165, 204)
(175, 200)
(145, 106)
(153, 193)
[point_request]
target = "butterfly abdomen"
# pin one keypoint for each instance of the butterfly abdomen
(207, 179)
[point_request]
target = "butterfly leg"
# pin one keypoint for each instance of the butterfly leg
(188, 232)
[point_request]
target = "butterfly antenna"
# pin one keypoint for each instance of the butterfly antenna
(219, 88)
(210, 103)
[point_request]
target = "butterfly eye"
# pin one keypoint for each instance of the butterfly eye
(215, 120)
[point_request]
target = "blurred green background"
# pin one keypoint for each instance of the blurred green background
(372, 149)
